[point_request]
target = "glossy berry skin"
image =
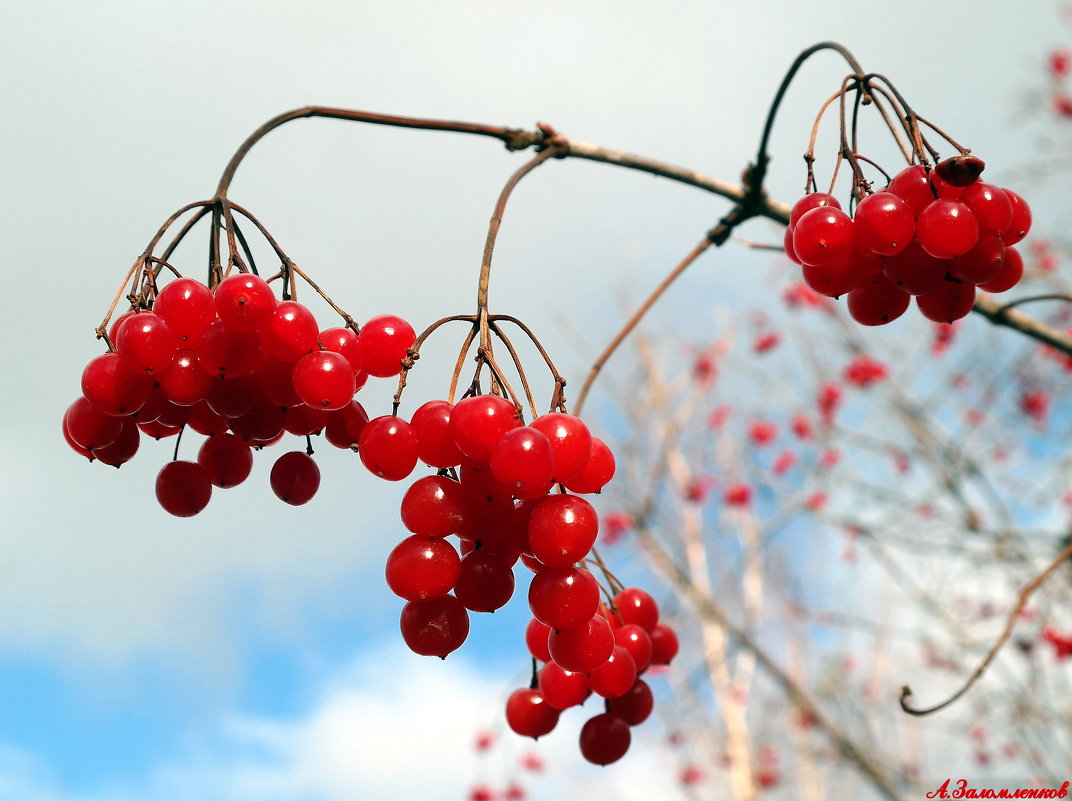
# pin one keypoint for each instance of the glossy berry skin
(146, 344)
(637, 641)
(188, 307)
(615, 676)
(562, 530)
(605, 739)
(562, 689)
(388, 447)
(982, 263)
(536, 634)
(344, 342)
(485, 581)
(990, 205)
(877, 301)
(950, 302)
(836, 277)
(232, 397)
(244, 302)
(664, 644)
(324, 380)
(914, 270)
(185, 383)
(290, 332)
(522, 459)
(913, 186)
(382, 345)
(823, 235)
(528, 714)
(226, 459)
(112, 387)
(947, 229)
(436, 627)
(563, 597)
(1021, 219)
(571, 443)
(636, 606)
(809, 202)
(434, 506)
(1012, 270)
(295, 478)
(124, 448)
(89, 427)
(635, 705)
(303, 420)
(421, 568)
(582, 648)
(884, 223)
(225, 353)
(344, 426)
(183, 488)
(478, 422)
(597, 473)
(431, 421)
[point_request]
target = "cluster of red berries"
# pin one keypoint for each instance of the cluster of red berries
(606, 654)
(493, 491)
(933, 233)
(239, 367)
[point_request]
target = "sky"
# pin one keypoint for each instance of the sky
(251, 653)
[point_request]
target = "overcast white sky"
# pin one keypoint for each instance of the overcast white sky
(119, 112)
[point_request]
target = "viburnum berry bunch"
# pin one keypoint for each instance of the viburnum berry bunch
(234, 363)
(935, 232)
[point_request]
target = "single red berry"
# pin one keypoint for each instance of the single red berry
(435, 506)
(571, 442)
(124, 448)
(562, 530)
(244, 302)
(536, 640)
(809, 202)
(226, 459)
(635, 605)
(344, 426)
(382, 345)
(605, 739)
(295, 478)
(431, 421)
(947, 229)
(615, 676)
(112, 387)
(884, 223)
(982, 263)
(914, 270)
(478, 422)
(225, 353)
(290, 332)
(388, 447)
(436, 627)
(1021, 219)
(188, 307)
(990, 205)
(560, 688)
(664, 644)
(146, 344)
(523, 460)
(637, 641)
(823, 235)
(183, 488)
(89, 427)
(563, 597)
(421, 568)
(485, 581)
(1012, 270)
(583, 648)
(635, 705)
(913, 185)
(324, 380)
(597, 473)
(529, 715)
(950, 301)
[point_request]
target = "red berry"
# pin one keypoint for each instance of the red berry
(146, 344)
(664, 644)
(529, 715)
(226, 353)
(947, 229)
(950, 301)
(823, 235)
(324, 380)
(112, 387)
(188, 307)
(563, 597)
(478, 422)
(295, 478)
(436, 627)
(226, 459)
(89, 427)
(388, 447)
(1012, 270)
(884, 223)
(562, 530)
(615, 676)
(344, 426)
(290, 333)
(435, 506)
(124, 448)
(185, 383)
(421, 568)
(536, 640)
(990, 205)
(634, 605)
(523, 460)
(809, 202)
(431, 421)
(485, 581)
(1021, 219)
(596, 473)
(382, 345)
(634, 705)
(244, 302)
(571, 442)
(583, 648)
(183, 488)
(605, 739)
